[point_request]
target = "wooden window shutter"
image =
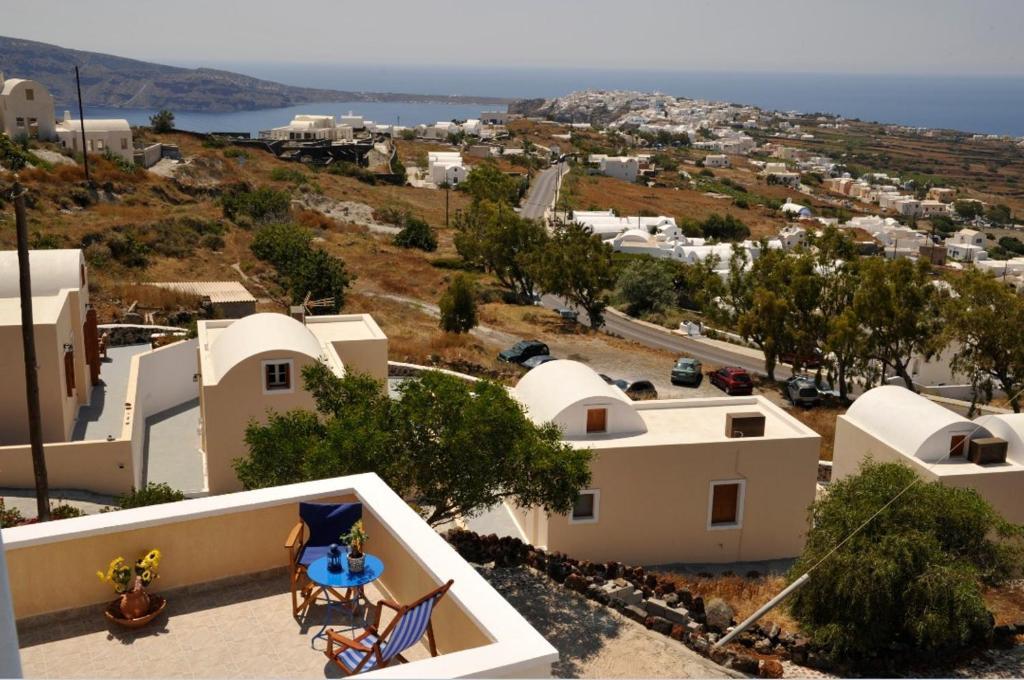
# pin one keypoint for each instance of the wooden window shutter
(69, 372)
(724, 503)
(597, 420)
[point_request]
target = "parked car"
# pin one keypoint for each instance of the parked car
(812, 360)
(534, 362)
(567, 314)
(687, 371)
(732, 380)
(637, 390)
(801, 391)
(523, 350)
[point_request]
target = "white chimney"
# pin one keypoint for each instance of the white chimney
(1, 79)
(67, 116)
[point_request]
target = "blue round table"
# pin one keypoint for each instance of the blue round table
(319, 574)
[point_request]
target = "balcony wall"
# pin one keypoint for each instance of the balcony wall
(104, 467)
(52, 567)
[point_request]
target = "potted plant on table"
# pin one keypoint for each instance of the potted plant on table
(134, 606)
(356, 539)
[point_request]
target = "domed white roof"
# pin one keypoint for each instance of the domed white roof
(259, 333)
(51, 271)
(550, 390)
(908, 422)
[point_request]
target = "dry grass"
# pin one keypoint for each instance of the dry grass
(153, 298)
(744, 595)
(1006, 602)
(821, 419)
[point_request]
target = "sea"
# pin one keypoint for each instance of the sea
(979, 104)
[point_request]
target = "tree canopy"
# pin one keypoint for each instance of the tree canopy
(449, 447)
(912, 576)
(577, 265)
(458, 305)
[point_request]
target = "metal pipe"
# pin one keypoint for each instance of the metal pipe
(81, 120)
(752, 619)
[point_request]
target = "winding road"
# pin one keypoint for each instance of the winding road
(541, 195)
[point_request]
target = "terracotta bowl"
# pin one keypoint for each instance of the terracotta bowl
(114, 615)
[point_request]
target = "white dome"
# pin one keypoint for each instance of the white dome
(259, 333)
(909, 422)
(51, 271)
(1007, 426)
(559, 390)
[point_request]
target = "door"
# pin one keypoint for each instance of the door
(957, 445)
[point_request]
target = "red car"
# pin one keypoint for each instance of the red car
(732, 380)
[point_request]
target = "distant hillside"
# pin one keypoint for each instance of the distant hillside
(128, 83)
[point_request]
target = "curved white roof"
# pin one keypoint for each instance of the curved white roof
(10, 84)
(908, 422)
(634, 235)
(790, 206)
(550, 389)
(51, 271)
(1008, 426)
(259, 333)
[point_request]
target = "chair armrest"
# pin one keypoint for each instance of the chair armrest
(347, 642)
(389, 603)
(294, 537)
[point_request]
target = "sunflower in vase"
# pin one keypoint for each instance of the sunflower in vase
(130, 582)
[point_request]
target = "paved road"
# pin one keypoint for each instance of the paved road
(541, 195)
(664, 339)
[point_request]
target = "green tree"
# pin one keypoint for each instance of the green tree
(985, 318)
(999, 214)
(968, 209)
(417, 234)
(487, 183)
(302, 268)
(458, 305)
(577, 266)
(490, 235)
(449, 447)
(724, 228)
(645, 285)
(911, 576)
(900, 310)
(162, 121)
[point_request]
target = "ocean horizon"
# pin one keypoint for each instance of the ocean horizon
(972, 104)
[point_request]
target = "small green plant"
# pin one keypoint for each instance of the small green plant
(458, 305)
(356, 539)
(417, 234)
(261, 205)
(10, 517)
(235, 152)
(288, 175)
(152, 494)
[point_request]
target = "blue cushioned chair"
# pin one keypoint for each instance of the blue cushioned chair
(375, 649)
(326, 523)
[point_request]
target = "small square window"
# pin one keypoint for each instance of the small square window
(124, 143)
(99, 144)
(597, 420)
(30, 94)
(725, 505)
(586, 507)
(277, 376)
(19, 121)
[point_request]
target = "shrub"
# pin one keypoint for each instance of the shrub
(288, 175)
(645, 286)
(417, 234)
(724, 228)
(41, 241)
(64, 511)
(163, 121)
(10, 517)
(261, 205)
(128, 250)
(235, 152)
(152, 494)
(276, 243)
(302, 268)
(346, 169)
(458, 305)
(214, 142)
(911, 577)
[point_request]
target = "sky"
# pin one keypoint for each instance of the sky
(954, 37)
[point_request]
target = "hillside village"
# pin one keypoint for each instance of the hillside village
(673, 325)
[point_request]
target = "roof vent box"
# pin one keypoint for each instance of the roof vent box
(298, 312)
(987, 450)
(747, 424)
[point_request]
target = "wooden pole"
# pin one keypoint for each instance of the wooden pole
(81, 120)
(35, 427)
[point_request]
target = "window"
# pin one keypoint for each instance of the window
(99, 144)
(597, 420)
(957, 445)
(33, 121)
(725, 504)
(124, 143)
(19, 121)
(30, 94)
(277, 376)
(586, 507)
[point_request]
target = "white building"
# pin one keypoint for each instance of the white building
(625, 168)
(26, 109)
(968, 237)
(795, 209)
(716, 161)
(307, 127)
(101, 135)
(965, 252)
(446, 166)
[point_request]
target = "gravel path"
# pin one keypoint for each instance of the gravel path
(594, 641)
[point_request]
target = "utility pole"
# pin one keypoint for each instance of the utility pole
(447, 187)
(35, 427)
(81, 120)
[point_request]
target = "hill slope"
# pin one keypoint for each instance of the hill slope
(108, 80)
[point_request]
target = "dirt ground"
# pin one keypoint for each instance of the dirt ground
(594, 641)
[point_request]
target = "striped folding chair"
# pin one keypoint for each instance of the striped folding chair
(374, 649)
